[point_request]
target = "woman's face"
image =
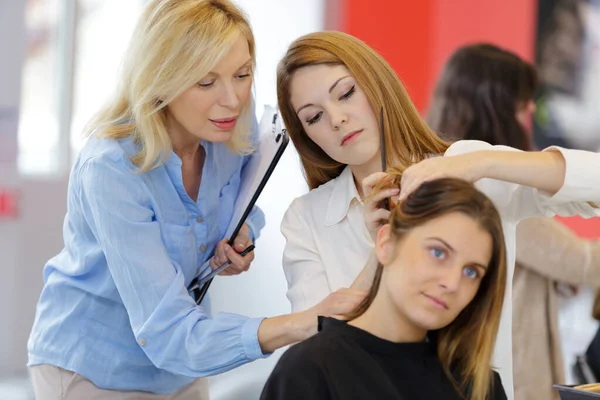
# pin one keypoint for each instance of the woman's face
(336, 113)
(210, 109)
(435, 270)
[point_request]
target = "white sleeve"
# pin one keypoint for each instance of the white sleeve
(302, 265)
(581, 186)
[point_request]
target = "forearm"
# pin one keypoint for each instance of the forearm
(541, 170)
(550, 249)
(277, 332)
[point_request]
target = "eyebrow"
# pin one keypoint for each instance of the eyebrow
(454, 251)
(330, 90)
(246, 64)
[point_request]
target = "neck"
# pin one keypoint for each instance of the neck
(360, 172)
(185, 145)
(384, 320)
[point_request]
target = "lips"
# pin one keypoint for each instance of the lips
(437, 302)
(350, 137)
(225, 124)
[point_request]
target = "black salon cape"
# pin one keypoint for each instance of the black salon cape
(343, 362)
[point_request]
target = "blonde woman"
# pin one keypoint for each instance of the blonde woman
(427, 328)
(150, 196)
(330, 89)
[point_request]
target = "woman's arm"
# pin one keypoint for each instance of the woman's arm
(173, 332)
(549, 248)
(281, 331)
(473, 160)
(521, 184)
(541, 170)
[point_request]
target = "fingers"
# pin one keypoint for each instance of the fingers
(220, 256)
(225, 253)
(414, 177)
(242, 240)
(344, 301)
(239, 263)
(371, 181)
(371, 203)
(376, 218)
(385, 194)
(214, 265)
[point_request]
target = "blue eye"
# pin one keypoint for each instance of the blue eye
(438, 253)
(471, 272)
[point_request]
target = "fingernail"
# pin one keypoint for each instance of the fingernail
(226, 247)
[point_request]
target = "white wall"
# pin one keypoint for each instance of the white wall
(261, 291)
(12, 45)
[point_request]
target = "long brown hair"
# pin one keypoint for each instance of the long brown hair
(477, 95)
(408, 139)
(467, 344)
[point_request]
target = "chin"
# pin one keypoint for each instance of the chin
(431, 322)
(358, 158)
(219, 137)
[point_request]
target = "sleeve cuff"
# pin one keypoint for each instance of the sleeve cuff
(255, 222)
(581, 177)
(251, 230)
(250, 339)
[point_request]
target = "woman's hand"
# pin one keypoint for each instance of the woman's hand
(375, 216)
(339, 303)
(276, 332)
(225, 253)
(468, 167)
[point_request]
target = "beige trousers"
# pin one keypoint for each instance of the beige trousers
(54, 383)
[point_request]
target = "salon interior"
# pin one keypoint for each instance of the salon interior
(60, 59)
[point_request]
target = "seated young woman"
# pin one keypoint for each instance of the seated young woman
(428, 326)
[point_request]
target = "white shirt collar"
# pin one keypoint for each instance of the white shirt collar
(344, 192)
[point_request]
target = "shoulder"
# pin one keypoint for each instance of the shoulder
(315, 202)
(316, 196)
(103, 154)
(313, 353)
(497, 389)
(104, 169)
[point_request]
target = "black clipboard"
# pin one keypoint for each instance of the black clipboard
(282, 139)
(272, 140)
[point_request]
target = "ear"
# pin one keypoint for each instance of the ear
(385, 245)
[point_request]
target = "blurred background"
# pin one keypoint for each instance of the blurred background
(59, 61)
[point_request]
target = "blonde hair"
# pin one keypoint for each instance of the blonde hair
(466, 345)
(408, 140)
(174, 45)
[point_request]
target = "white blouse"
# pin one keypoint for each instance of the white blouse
(328, 243)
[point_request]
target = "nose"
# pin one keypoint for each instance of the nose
(229, 97)
(338, 117)
(450, 278)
